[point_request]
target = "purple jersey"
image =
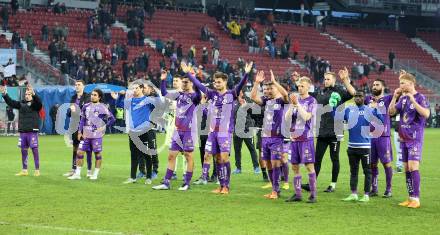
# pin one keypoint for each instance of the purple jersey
(94, 118)
(273, 117)
(185, 107)
(221, 106)
(301, 130)
(221, 110)
(383, 103)
(411, 122)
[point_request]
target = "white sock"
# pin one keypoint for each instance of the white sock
(96, 172)
(89, 172)
(333, 184)
(78, 170)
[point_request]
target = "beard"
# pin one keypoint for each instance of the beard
(376, 92)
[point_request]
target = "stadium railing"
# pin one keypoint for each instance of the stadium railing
(42, 70)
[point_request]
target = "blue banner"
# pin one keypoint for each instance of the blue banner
(106, 88)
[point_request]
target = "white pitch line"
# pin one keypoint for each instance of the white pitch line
(62, 228)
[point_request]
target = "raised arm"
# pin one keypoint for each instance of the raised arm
(254, 92)
(10, 102)
(392, 110)
(294, 101)
(191, 75)
(243, 81)
(283, 92)
(36, 103)
(345, 78)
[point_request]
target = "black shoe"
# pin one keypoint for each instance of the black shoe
(305, 187)
(329, 189)
(311, 200)
(265, 178)
(293, 198)
(387, 194)
(213, 178)
(373, 194)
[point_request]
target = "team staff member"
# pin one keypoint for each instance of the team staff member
(28, 123)
(238, 139)
(333, 96)
(79, 99)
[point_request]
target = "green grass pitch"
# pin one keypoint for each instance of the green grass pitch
(50, 204)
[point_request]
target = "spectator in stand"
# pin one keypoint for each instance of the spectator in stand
(141, 38)
(366, 69)
(53, 52)
(30, 43)
(307, 59)
(354, 72)
(14, 6)
(296, 48)
(284, 51)
(391, 57)
(16, 41)
(192, 54)
(107, 35)
(215, 56)
(124, 52)
(205, 56)
(53, 116)
(216, 42)
(113, 7)
(5, 18)
(234, 28)
(44, 32)
(11, 120)
(179, 52)
(90, 27)
(204, 33)
(131, 36)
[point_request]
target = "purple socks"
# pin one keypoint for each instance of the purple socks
(276, 171)
(188, 176)
(389, 178)
(415, 177)
(205, 171)
(24, 158)
(168, 176)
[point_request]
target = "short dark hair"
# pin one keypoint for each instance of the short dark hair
(381, 81)
(81, 81)
(221, 75)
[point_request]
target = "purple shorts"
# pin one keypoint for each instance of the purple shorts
(28, 140)
(218, 143)
(91, 145)
(182, 141)
(411, 151)
(381, 149)
(302, 152)
(271, 148)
